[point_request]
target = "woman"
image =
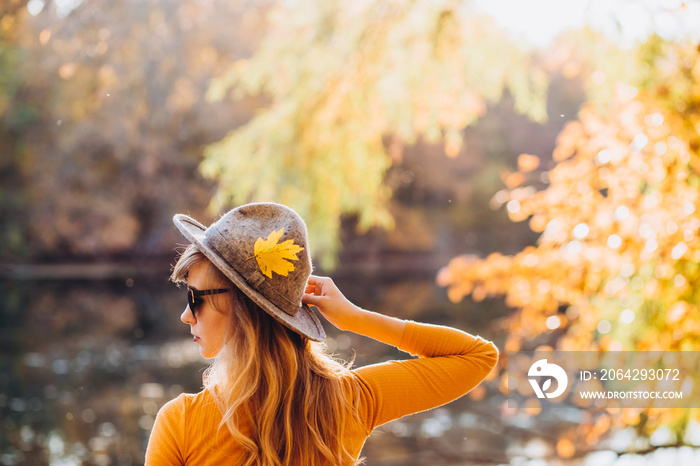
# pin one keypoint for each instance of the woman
(271, 395)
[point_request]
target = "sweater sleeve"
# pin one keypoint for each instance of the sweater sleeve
(166, 445)
(450, 364)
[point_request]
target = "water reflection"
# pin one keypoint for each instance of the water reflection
(77, 362)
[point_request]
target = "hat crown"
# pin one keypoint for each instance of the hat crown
(251, 237)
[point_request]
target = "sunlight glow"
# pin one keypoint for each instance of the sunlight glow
(627, 316)
(64, 7)
(537, 22)
(614, 241)
(604, 327)
(553, 322)
(35, 6)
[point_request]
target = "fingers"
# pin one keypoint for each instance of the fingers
(313, 279)
(314, 289)
(322, 293)
(311, 299)
(317, 285)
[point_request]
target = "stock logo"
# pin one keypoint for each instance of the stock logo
(542, 369)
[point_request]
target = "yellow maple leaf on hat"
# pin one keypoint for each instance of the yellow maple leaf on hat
(273, 256)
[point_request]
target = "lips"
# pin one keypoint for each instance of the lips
(195, 338)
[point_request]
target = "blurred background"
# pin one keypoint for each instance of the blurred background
(523, 170)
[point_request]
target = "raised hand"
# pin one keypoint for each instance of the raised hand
(325, 295)
(335, 307)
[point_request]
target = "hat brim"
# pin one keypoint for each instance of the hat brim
(304, 321)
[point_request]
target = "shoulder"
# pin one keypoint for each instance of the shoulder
(185, 403)
(191, 399)
(173, 411)
(168, 440)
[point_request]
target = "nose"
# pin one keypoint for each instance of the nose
(186, 316)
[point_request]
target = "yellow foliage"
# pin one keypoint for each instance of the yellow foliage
(273, 256)
(528, 162)
(619, 252)
(344, 77)
(619, 226)
(565, 448)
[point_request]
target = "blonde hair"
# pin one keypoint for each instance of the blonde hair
(283, 399)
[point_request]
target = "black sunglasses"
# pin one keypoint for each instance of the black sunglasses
(194, 297)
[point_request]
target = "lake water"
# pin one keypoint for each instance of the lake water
(86, 364)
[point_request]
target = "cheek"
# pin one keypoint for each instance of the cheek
(217, 329)
(215, 341)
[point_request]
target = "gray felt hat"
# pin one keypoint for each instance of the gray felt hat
(263, 249)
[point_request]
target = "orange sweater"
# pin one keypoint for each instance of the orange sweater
(451, 363)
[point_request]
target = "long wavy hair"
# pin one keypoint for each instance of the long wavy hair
(284, 400)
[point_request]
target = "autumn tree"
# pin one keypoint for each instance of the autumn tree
(348, 84)
(14, 115)
(103, 121)
(618, 257)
